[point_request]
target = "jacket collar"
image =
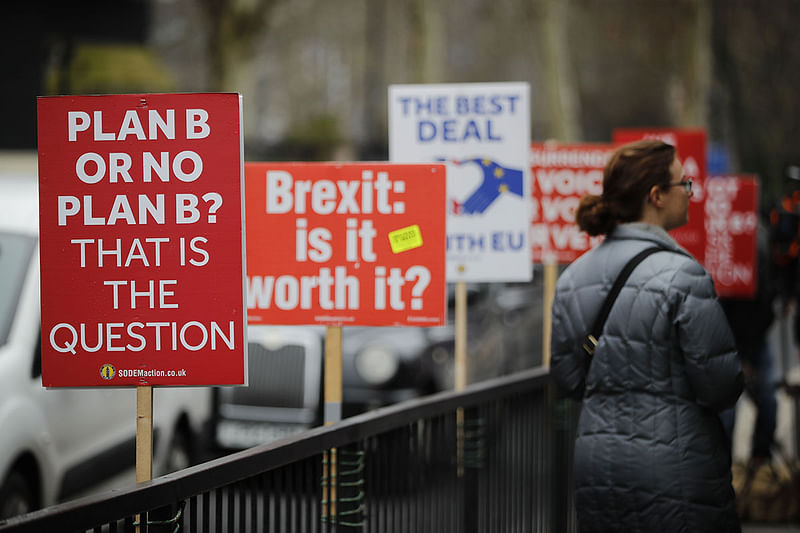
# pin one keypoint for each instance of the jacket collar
(646, 232)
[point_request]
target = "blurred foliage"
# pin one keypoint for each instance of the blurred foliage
(314, 74)
(755, 105)
(233, 26)
(314, 140)
(110, 69)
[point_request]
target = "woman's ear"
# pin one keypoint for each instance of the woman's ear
(656, 196)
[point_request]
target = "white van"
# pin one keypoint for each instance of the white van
(56, 444)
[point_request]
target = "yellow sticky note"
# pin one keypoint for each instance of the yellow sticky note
(405, 239)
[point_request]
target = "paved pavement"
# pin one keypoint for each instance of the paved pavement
(770, 528)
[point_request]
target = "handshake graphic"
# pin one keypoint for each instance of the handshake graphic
(497, 180)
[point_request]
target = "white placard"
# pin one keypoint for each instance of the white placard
(482, 132)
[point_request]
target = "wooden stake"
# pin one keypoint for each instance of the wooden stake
(460, 368)
(461, 337)
(333, 375)
(144, 433)
(550, 278)
(333, 412)
(144, 441)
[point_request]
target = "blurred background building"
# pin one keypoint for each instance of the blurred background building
(314, 73)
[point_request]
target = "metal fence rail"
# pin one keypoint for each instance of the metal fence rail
(495, 457)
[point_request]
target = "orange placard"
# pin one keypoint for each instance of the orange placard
(346, 244)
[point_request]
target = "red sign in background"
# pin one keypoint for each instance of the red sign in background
(561, 175)
(141, 239)
(727, 218)
(691, 147)
(346, 244)
(731, 223)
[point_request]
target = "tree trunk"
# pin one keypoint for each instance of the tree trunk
(563, 106)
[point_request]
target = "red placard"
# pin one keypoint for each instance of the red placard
(561, 175)
(142, 245)
(346, 244)
(691, 147)
(731, 221)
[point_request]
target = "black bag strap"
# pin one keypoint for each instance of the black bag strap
(597, 328)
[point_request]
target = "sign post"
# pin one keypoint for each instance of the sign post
(144, 433)
(550, 279)
(731, 222)
(142, 245)
(368, 249)
(333, 375)
(561, 174)
(691, 147)
(482, 132)
(333, 409)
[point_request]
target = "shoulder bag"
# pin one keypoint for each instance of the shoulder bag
(590, 342)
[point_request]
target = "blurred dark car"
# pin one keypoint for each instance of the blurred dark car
(380, 365)
(386, 365)
(283, 395)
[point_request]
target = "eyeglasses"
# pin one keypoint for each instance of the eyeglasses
(686, 184)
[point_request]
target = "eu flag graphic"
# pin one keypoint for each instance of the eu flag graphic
(497, 180)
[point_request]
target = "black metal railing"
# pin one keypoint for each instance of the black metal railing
(495, 457)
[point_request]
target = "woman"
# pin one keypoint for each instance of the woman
(651, 452)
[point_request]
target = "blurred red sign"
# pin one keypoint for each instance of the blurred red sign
(691, 146)
(731, 222)
(346, 244)
(141, 240)
(561, 175)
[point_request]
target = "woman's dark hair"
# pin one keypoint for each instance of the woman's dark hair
(630, 173)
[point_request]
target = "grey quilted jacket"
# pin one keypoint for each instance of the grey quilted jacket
(651, 454)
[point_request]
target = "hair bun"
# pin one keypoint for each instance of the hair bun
(594, 215)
